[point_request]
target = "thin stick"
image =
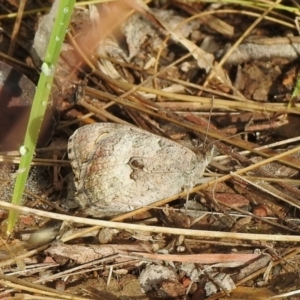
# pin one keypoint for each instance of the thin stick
(16, 27)
(155, 229)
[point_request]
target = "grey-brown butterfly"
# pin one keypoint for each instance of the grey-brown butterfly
(119, 168)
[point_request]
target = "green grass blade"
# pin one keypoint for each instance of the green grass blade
(40, 103)
(296, 91)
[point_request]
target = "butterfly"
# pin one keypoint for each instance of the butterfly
(119, 168)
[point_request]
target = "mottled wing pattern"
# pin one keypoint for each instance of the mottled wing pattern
(82, 142)
(120, 168)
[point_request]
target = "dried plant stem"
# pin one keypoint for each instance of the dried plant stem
(155, 229)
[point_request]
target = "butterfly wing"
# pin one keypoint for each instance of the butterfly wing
(121, 168)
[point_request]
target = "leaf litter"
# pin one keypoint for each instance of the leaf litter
(150, 68)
